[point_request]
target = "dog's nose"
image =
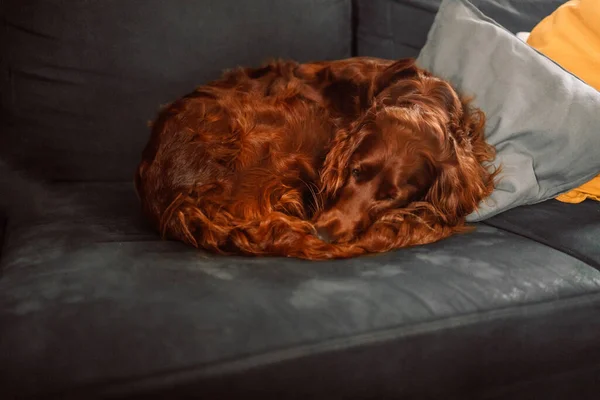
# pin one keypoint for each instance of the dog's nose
(324, 235)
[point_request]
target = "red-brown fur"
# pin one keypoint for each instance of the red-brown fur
(316, 161)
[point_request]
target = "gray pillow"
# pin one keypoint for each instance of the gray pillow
(543, 121)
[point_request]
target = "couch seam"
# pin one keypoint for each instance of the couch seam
(513, 229)
(354, 23)
(394, 333)
(189, 374)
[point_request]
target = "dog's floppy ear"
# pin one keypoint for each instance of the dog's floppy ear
(401, 69)
(335, 168)
(463, 180)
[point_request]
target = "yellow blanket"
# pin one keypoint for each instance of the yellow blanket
(571, 37)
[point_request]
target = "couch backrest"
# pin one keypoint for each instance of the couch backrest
(398, 28)
(80, 79)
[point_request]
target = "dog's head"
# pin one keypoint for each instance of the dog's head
(418, 142)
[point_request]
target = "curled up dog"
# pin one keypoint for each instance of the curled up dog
(316, 161)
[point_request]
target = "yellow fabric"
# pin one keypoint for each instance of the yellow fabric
(571, 37)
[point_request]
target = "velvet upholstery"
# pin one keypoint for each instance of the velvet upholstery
(93, 304)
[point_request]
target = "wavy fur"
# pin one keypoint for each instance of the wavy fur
(258, 162)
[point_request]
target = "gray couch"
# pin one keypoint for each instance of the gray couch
(94, 304)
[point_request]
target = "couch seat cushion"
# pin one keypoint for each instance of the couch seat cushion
(92, 302)
(570, 228)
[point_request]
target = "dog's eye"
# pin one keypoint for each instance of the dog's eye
(388, 197)
(355, 172)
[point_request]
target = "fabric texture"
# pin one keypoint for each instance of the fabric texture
(589, 190)
(398, 28)
(571, 37)
(79, 80)
(93, 302)
(571, 228)
(542, 120)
